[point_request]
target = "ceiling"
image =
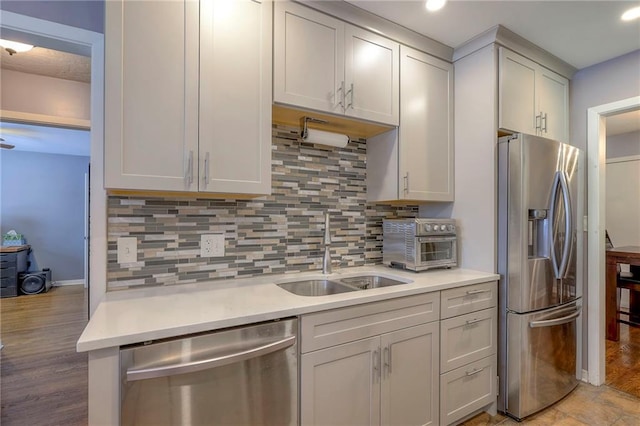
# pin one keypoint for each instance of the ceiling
(582, 33)
(48, 62)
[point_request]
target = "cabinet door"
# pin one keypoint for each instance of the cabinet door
(151, 95)
(341, 385)
(410, 379)
(308, 58)
(553, 101)
(517, 107)
(235, 97)
(426, 128)
(372, 80)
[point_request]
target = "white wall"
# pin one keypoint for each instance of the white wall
(624, 145)
(38, 94)
(77, 13)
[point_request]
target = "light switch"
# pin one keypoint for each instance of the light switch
(127, 249)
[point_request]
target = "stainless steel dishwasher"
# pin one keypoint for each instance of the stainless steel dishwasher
(239, 376)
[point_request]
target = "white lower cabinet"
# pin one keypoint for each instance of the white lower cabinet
(387, 379)
(396, 362)
(468, 347)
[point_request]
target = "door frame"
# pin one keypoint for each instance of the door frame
(78, 40)
(596, 164)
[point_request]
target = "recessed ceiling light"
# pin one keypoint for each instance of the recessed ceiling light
(631, 14)
(15, 47)
(433, 5)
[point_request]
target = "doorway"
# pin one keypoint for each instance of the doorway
(596, 144)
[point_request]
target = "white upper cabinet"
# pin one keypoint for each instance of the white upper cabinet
(151, 84)
(415, 162)
(533, 99)
(188, 96)
(235, 97)
(325, 64)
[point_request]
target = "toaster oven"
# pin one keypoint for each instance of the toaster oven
(419, 244)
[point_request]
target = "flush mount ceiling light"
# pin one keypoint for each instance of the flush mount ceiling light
(433, 5)
(631, 14)
(14, 47)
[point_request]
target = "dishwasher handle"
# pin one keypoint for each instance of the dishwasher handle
(205, 364)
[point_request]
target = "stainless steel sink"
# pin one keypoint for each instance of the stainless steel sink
(318, 287)
(364, 282)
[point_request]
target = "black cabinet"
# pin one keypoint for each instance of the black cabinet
(11, 264)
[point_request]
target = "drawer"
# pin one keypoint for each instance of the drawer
(8, 291)
(468, 338)
(467, 389)
(8, 272)
(8, 259)
(6, 282)
(338, 326)
(471, 298)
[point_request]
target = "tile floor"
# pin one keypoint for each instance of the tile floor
(587, 405)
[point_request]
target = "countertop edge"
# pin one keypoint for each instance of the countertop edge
(306, 305)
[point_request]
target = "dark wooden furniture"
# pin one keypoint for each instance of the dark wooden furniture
(615, 256)
(13, 260)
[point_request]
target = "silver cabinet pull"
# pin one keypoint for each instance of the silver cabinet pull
(539, 122)
(543, 119)
(206, 364)
(470, 292)
(473, 321)
(406, 182)
(189, 173)
(350, 91)
(206, 169)
(376, 364)
(471, 373)
(387, 360)
(341, 96)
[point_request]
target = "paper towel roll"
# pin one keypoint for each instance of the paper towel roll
(326, 138)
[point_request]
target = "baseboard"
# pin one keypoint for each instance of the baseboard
(585, 376)
(68, 282)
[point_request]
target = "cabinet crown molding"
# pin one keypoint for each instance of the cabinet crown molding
(509, 39)
(361, 18)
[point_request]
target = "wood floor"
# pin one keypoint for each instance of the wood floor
(43, 381)
(623, 361)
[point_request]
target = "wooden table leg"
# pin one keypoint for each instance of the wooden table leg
(612, 325)
(634, 306)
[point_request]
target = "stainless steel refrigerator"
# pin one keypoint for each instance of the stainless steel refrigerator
(539, 199)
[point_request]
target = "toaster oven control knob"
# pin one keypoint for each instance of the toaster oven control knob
(436, 227)
(428, 227)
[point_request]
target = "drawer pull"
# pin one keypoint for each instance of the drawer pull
(474, 372)
(473, 321)
(478, 291)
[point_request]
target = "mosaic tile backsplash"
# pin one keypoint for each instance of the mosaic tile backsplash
(275, 234)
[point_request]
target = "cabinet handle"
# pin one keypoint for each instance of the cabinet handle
(544, 128)
(406, 182)
(471, 373)
(206, 169)
(350, 92)
(342, 96)
(539, 122)
(478, 291)
(473, 321)
(387, 360)
(189, 174)
(376, 364)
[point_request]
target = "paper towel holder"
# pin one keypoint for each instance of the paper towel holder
(304, 132)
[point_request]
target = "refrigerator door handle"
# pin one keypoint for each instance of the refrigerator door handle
(560, 182)
(555, 321)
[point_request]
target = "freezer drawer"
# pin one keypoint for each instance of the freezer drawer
(541, 358)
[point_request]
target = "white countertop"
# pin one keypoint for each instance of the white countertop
(139, 315)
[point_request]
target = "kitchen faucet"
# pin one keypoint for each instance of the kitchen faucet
(326, 260)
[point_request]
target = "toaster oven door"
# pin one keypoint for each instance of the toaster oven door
(436, 251)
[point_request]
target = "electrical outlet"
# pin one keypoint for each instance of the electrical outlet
(212, 245)
(127, 249)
